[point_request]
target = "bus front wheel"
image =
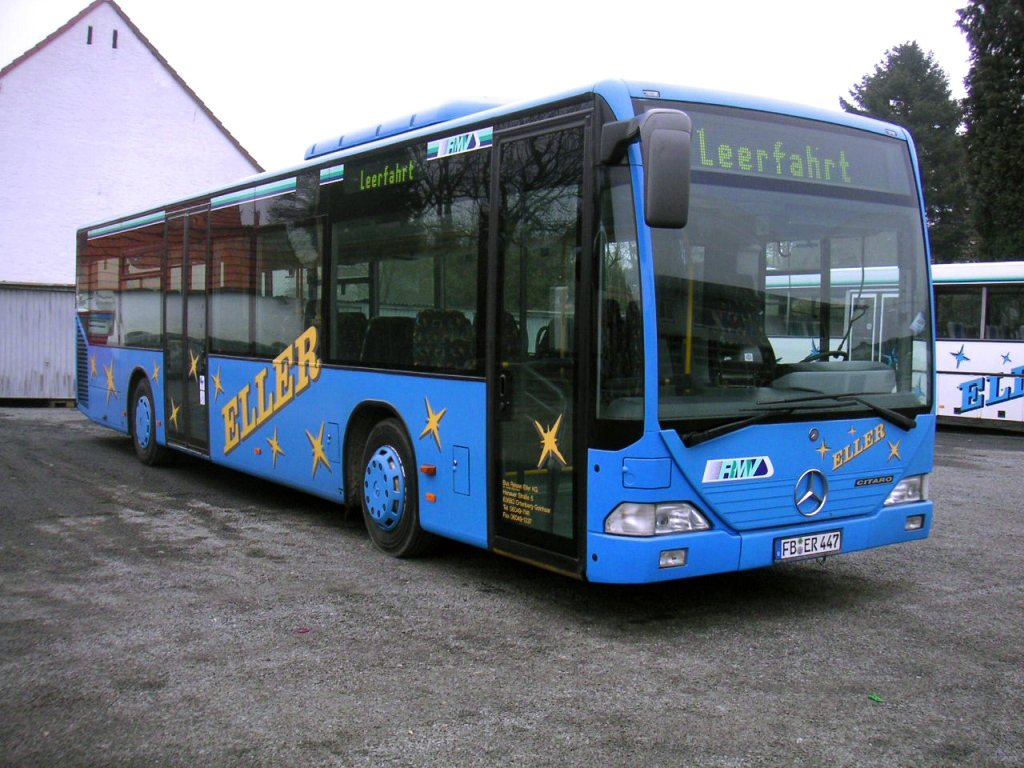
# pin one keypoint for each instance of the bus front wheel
(143, 426)
(390, 493)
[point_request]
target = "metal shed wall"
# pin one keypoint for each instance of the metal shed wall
(37, 341)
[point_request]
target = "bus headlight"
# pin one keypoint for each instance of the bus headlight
(631, 519)
(913, 488)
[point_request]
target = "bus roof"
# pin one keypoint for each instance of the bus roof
(442, 114)
(455, 110)
(453, 115)
(615, 89)
(979, 272)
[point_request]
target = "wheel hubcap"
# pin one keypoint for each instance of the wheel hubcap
(384, 488)
(143, 421)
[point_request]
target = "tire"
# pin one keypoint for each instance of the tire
(142, 423)
(390, 492)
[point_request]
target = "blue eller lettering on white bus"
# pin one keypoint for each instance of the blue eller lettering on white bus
(974, 396)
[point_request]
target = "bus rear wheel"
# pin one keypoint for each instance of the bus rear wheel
(390, 492)
(143, 426)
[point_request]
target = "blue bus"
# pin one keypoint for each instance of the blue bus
(595, 332)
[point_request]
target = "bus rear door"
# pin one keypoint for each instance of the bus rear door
(187, 419)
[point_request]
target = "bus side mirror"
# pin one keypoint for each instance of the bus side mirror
(665, 147)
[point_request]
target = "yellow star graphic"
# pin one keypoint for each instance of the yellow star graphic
(275, 446)
(193, 369)
(433, 423)
(823, 449)
(174, 414)
(549, 443)
(156, 373)
(92, 366)
(894, 450)
(218, 388)
(319, 456)
(111, 387)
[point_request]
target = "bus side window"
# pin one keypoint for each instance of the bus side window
(1004, 313)
(231, 284)
(407, 236)
(388, 341)
(444, 339)
(350, 331)
(619, 317)
(288, 280)
(287, 291)
(958, 312)
(98, 292)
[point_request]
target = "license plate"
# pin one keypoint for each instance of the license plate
(809, 545)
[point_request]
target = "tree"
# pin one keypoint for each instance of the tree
(994, 112)
(910, 89)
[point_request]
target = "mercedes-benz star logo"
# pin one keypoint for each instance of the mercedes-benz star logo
(811, 492)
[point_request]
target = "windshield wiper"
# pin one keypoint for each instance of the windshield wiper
(786, 407)
(691, 439)
(903, 422)
(895, 417)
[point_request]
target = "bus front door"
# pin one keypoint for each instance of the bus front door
(187, 420)
(536, 237)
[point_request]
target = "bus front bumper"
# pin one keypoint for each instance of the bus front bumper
(638, 560)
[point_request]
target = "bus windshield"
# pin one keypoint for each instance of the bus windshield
(800, 283)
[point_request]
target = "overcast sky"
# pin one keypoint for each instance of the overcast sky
(282, 75)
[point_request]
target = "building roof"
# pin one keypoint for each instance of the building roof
(92, 6)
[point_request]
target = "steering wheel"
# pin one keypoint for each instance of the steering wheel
(841, 354)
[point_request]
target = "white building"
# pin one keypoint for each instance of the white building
(93, 123)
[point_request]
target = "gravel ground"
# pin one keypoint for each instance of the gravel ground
(192, 616)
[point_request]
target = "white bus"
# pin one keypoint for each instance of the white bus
(979, 315)
(979, 318)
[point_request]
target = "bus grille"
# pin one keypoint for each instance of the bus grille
(771, 504)
(81, 364)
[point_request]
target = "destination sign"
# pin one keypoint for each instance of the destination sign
(798, 150)
(386, 176)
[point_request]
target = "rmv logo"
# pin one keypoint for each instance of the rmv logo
(747, 468)
(462, 143)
